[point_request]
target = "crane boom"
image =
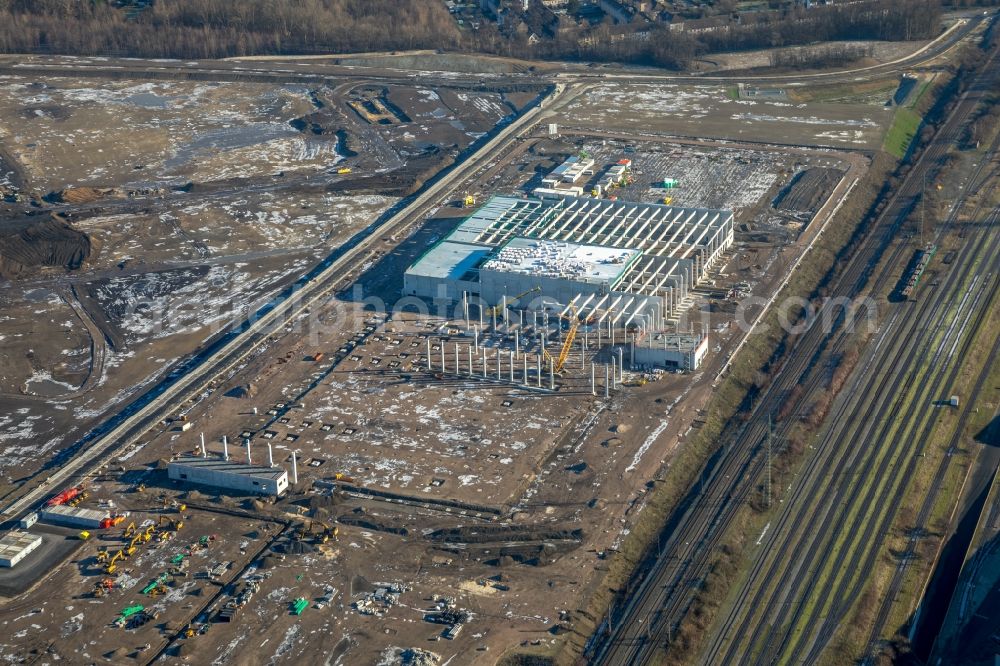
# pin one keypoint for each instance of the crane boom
(574, 324)
(497, 309)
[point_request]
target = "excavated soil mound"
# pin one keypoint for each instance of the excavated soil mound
(79, 195)
(30, 244)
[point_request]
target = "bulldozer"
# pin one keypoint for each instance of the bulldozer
(174, 524)
(316, 531)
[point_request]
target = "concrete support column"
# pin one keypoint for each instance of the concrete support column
(607, 381)
(593, 380)
(525, 375)
(538, 369)
(443, 368)
(552, 375)
(428, 353)
(511, 359)
(484, 362)
(498, 363)
(621, 367)
(471, 370)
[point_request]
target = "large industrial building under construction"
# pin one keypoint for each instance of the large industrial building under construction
(626, 263)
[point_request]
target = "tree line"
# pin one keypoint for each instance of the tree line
(223, 28)
(226, 28)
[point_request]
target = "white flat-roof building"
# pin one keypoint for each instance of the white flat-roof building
(15, 546)
(229, 475)
(670, 351)
(73, 516)
(616, 262)
(570, 170)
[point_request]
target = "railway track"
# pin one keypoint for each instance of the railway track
(654, 606)
(895, 585)
(780, 616)
(777, 609)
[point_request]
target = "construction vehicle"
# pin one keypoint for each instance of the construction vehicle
(158, 586)
(148, 534)
(111, 566)
(103, 586)
(340, 476)
(129, 530)
(668, 200)
(496, 310)
(173, 524)
(84, 535)
(469, 201)
(574, 325)
(103, 555)
(317, 531)
(344, 170)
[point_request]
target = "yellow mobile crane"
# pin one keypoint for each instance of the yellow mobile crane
(574, 325)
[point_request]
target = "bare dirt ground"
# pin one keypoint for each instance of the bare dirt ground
(197, 202)
(716, 112)
(482, 497)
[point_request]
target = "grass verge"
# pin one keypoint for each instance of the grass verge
(902, 131)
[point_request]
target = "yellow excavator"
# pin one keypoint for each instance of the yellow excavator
(469, 201)
(112, 565)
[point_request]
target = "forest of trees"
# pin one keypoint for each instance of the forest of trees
(221, 28)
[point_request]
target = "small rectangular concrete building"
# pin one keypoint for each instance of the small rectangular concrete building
(73, 516)
(670, 351)
(229, 475)
(15, 546)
